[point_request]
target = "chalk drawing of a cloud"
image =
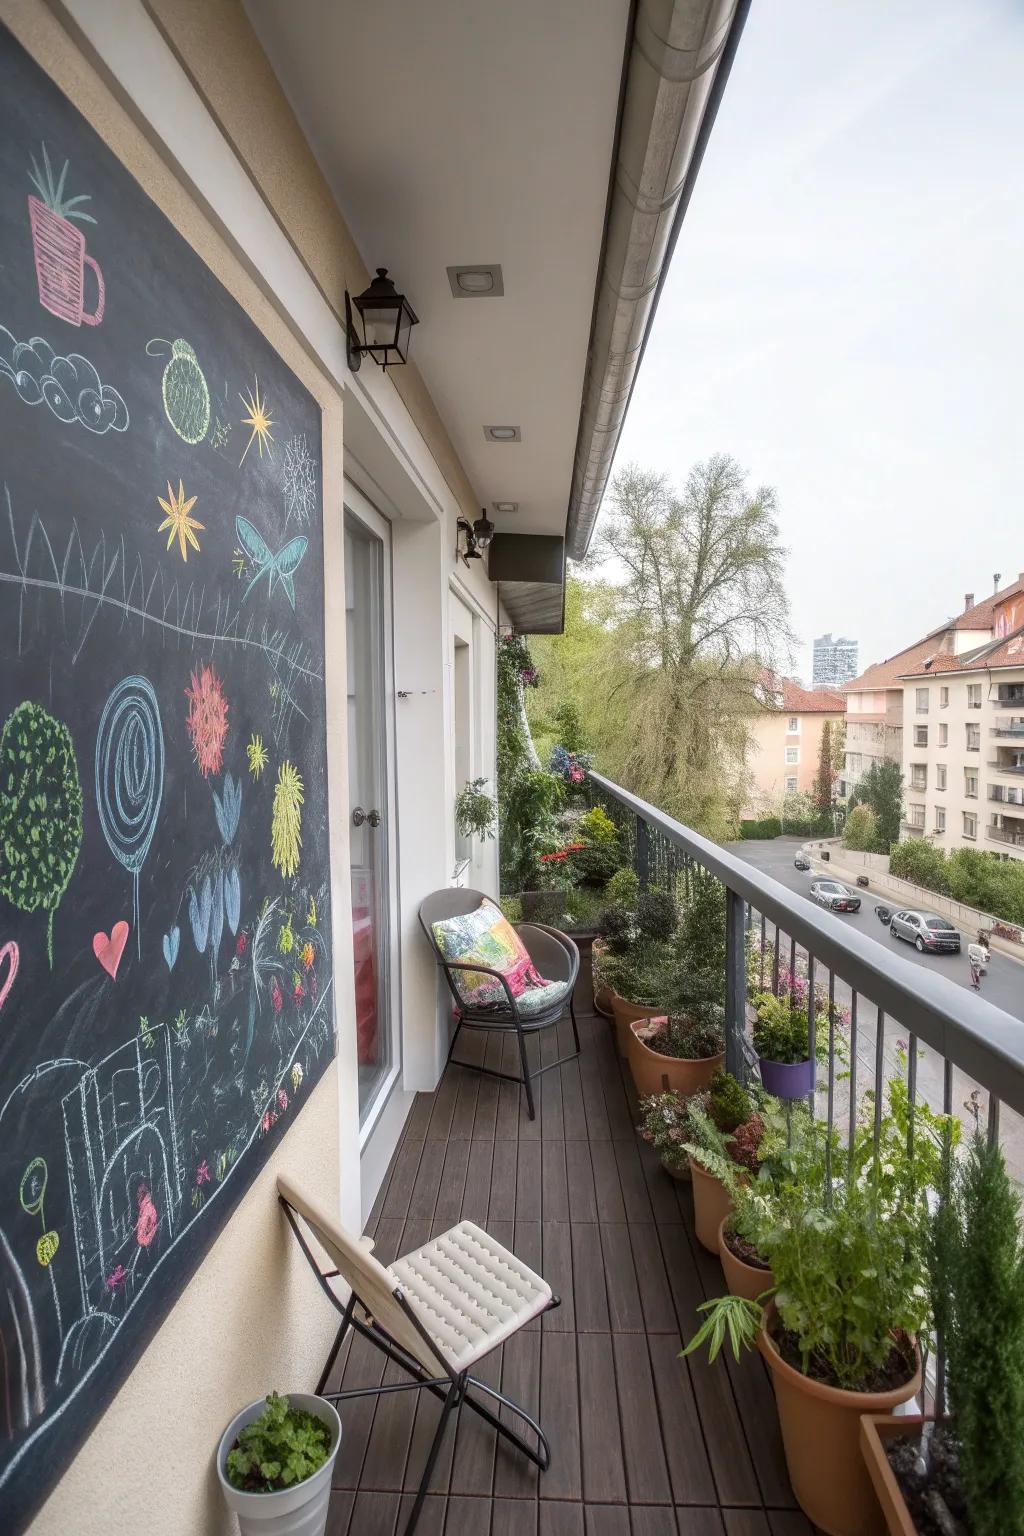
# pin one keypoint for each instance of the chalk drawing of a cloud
(70, 385)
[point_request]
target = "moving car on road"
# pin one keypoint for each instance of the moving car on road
(801, 861)
(927, 931)
(834, 896)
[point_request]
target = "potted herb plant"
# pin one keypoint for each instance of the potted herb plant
(850, 1260)
(665, 1126)
(274, 1463)
(718, 1151)
(781, 1042)
(677, 1051)
(967, 1472)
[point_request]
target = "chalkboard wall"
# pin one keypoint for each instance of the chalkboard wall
(165, 957)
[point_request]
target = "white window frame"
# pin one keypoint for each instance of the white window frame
(969, 775)
(971, 831)
(920, 735)
(940, 818)
(792, 756)
(972, 690)
(791, 783)
(793, 726)
(943, 698)
(943, 735)
(940, 776)
(919, 707)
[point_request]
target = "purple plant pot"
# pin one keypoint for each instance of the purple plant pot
(787, 1079)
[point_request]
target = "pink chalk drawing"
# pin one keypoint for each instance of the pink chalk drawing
(9, 952)
(146, 1226)
(203, 1172)
(282, 1098)
(117, 1278)
(108, 951)
(59, 248)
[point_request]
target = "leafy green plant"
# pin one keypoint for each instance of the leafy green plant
(623, 888)
(570, 732)
(861, 831)
(978, 1296)
(529, 821)
(284, 1446)
(665, 1125)
(475, 810)
(685, 1037)
(731, 1104)
(702, 931)
(727, 1317)
(780, 1029)
(616, 927)
(643, 972)
(657, 916)
(51, 191)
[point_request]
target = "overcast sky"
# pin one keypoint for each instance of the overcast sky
(844, 311)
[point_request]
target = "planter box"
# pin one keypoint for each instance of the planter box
(655, 1073)
(602, 994)
(788, 1079)
(875, 1432)
(297, 1511)
(624, 1012)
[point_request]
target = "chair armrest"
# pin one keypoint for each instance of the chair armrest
(485, 970)
(541, 952)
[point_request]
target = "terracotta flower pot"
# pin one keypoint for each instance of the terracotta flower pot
(712, 1203)
(742, 1279)
(624, 1012)
(821, 1435)
(680, 1174)
(655, 1073)
(875, 1431)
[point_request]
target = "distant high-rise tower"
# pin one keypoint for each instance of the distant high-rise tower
(835, 661)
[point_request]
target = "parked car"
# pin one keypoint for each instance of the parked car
(834, 896)
(927, 931)
(801, 861)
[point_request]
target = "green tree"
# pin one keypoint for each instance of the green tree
(825, 781)
(882, 789)
(861, 830)
(569, 728)
(40, 812)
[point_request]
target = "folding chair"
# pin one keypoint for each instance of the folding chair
(437, 1312)
(555, 956)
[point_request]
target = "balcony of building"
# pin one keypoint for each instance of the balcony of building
(1009, 696)
(1010, 729)
(1012, 763)
(1008, 830)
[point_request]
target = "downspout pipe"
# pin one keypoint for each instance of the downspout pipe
(676, 72)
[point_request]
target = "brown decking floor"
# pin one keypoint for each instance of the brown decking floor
(643, 1443)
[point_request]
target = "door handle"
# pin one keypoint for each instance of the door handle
(371, 817)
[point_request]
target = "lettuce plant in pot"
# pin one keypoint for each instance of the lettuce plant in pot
(965, 1472)
(849, 1256)
(274, 1464)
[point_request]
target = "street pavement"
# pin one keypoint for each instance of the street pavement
(1003, 985)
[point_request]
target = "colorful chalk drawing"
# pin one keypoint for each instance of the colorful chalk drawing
(31, 1194)
(207, 720)
(130, 777)
(279, 568)
(182, 526)
(40, 812)
(258, 420)
(108, 948)
(70, 385)
(171, 946)
(286, 820)
(227, 808)
(59, 248)
(300, 481)
(9, 955)
(185, 393)
(257, 756)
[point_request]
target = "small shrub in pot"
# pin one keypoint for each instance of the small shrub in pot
(274, 1464)
(657, 917)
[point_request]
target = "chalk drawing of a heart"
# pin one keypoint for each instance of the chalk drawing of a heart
(109, 951)
(172, 943)
(9, 952)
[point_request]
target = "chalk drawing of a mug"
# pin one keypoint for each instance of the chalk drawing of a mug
(61, 260)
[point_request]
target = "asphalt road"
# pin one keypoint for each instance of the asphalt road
(1003, 985)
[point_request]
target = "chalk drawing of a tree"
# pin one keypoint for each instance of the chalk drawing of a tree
(40, 812)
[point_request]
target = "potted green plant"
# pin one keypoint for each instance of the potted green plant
(641, 961)
(965, 1472)
(274, 1464)
(665, 1126)
(781, 1041)
(621, 893)
(476, 811)
(596, 851)
(724, 1135)
(677, 1051)
(850, 1260)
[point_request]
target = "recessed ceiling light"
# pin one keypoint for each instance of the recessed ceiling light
(505, 506)
(483, 281)
(503, 434)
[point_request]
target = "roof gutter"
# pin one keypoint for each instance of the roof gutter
(678, 64)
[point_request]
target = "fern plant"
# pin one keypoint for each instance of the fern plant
(51, 190)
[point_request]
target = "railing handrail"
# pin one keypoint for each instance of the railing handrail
(977, 1037)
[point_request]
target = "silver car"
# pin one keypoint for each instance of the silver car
(927, 931)
(831, 894)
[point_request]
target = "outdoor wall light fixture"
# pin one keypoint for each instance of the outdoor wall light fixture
(478, 537)
(387, 319)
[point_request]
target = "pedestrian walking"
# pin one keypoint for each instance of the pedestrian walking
(978, 957)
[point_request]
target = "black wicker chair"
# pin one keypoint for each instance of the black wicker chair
(556, 958)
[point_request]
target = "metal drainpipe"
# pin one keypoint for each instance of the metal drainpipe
(679, 60)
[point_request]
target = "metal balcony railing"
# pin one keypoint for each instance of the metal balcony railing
(1014, 728)
(1005, 835)
(1009, 700)
(1006, 767)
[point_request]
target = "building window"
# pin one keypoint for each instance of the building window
(940, 776)
(792, 754)
(919, 776)
(920, 735)
(943, 698)
(970, 783)
(922, 700)
(915, 816)
(970, 824)
(791, 784)
(793, 727)
(940, 818)
(973, 738)
(973, 695)
(943, 735)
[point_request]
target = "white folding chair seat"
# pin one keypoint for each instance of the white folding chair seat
(469, 1292)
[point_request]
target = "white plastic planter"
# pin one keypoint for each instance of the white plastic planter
(297, 1511)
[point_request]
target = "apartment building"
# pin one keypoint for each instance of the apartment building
(786, 741)
(875, 709)
(835, 661)
(964, 748)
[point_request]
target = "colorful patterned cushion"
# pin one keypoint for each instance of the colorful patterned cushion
(488, 938)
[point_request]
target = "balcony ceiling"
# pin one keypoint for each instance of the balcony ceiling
(468, 131)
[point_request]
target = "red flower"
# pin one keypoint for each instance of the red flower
(242, 945)
(207, 720)
(275, 995)
(203, 1172)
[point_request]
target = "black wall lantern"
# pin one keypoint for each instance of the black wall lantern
(478, 537)
(387, 318)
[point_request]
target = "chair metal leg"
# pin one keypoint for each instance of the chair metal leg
(325, 1374)
(451, 1402)
(526, 1072)
(575, 1027)
(541, 1458)
(451, 1045)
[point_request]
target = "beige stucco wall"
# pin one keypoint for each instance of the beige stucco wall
(766, 762)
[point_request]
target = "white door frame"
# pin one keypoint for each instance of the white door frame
(357, 506)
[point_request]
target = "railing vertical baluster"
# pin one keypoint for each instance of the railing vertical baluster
(735, 986)
(851, 1129)
(764, 930)
(879, 1075)
(792, 962)
(776, 946)
(911, 1091)
(947, 1169)
(812, 1033)
(642, 857)
(831, 1110)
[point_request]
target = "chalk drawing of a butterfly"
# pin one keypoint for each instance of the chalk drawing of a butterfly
(276, 568)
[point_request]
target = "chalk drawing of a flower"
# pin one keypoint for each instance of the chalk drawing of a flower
(256, 752)
(286, 820)
(207, 720)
